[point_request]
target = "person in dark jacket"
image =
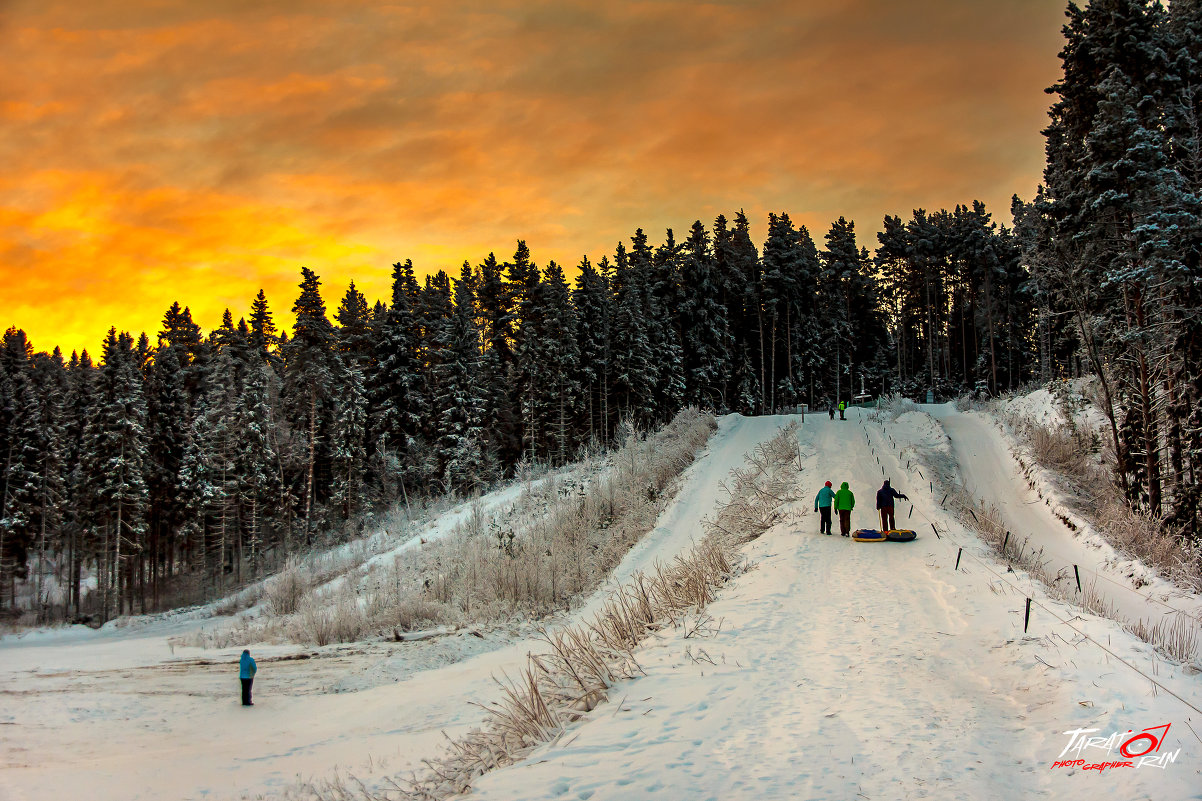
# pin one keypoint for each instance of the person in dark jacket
(246, 672)
(831, 409)
(845, 501)
(822, 505)
(884, 502)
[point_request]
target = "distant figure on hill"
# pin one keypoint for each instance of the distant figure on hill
(884, 502)
(842, 408)
(246, 672)
(831, 409)
(822, 505)
(845, 501)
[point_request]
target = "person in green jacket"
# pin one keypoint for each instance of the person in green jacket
(845, 501)
(842, 409)
(822, 505)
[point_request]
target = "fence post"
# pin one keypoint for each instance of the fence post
(1077, 573)
(1027, 617)
(959, 553)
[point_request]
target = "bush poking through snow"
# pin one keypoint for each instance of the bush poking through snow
(285, 592)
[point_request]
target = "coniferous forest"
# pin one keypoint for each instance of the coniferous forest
(166, 467)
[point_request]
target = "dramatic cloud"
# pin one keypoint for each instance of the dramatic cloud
(158, 151)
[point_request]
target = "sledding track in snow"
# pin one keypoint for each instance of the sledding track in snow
(845, 670)
(990, 473)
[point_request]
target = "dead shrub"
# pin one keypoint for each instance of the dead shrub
(1060, 450)
(285, 592)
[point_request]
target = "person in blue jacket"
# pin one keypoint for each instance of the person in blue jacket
(246, 672)
(884, 503)
(822, 505)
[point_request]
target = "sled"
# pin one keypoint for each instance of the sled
(868, 535)
(900, 535)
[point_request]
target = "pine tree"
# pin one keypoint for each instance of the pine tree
(349, 451)
(259, 483)
(559, 363)
(594, 307)
(705, 331)
(460, 403)
(529, 310)
(114, 467)
(434, 311)
(262, 328)
(81, 400)
(393, 384)
(632, 375)
(309, 370)
(50, 378)
(23, 442)
(208, 473)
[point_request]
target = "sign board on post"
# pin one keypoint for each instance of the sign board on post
(930, 396)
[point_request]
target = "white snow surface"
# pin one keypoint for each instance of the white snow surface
(990, 472)
(832, 670)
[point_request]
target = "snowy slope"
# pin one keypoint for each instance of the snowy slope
(991, 473)
(840, 670)
(847, 670)
(372, 709)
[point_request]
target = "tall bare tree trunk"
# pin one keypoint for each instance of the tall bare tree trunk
(312, 460)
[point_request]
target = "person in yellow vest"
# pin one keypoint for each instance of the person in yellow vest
(842, 408)
(845, 501)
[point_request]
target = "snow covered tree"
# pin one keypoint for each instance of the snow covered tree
(114, 464)
(309, 370)
(633, 376)
(594, 309)
(459, 404)
(705, 330)
(23, 442)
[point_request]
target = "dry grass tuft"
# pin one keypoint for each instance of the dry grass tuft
(285, 592)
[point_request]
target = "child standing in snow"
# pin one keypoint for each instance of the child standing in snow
(822, 505)
(246, 672)
(845, 501)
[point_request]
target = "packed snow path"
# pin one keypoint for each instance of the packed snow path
(991, 474)
(839, 670)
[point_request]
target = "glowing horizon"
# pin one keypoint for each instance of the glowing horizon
(159, 152)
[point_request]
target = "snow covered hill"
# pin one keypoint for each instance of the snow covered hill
(832, 669)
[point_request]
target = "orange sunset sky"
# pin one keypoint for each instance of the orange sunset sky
(197, 150)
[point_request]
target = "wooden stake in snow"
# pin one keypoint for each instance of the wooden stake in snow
(959, 553)
(1077, 573)
(1027, 617)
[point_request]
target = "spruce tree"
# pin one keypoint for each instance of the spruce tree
(594, 310)
(705, 330)
(309, 370)
(114, 464)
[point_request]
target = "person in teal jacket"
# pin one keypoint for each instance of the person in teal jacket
(822, 505)
(845, 501)
(246, 672)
